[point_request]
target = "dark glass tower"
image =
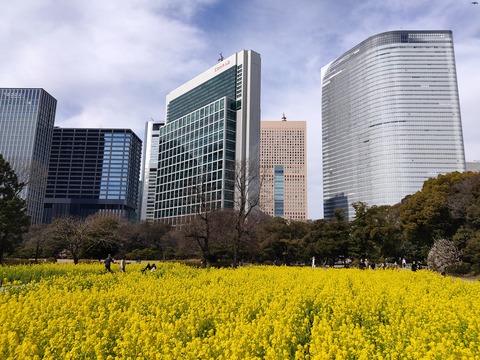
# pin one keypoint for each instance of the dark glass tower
(27, 117)
(93, 171)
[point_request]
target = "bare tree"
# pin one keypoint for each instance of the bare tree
(200, 227)
(153, 235)
(78, 236)
(35, 239)
(247, 197)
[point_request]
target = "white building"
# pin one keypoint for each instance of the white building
(149, 170)
(212, 123)
(390, 118)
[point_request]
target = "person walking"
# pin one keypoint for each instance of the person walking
(123, 263)
(108, 261)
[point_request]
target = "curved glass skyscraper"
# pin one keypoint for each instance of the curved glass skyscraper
(390, 118)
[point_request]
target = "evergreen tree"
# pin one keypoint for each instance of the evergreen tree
(14, 222)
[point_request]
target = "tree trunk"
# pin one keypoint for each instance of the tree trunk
(1, 248)
(37, 253)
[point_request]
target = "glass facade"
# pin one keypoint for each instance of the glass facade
(93, 171)
(390, 119)
(212, 122)
(27, 118)
(219, 86)
(196, 162)
(279, 191)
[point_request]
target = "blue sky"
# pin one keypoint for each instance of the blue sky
(110, 63)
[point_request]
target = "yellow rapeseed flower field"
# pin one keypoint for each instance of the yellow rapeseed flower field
(180, 312)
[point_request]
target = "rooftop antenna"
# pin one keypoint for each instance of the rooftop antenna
(284, 118)
(220, 58)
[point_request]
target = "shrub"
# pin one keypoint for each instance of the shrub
(459, 269)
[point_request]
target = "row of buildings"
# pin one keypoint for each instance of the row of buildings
(189, 160)
(390, 120)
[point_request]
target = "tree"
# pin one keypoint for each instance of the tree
(247, 184)
(283, 240)
(200, 226)
(463, 200)
(154, 236)
(426, 215)
(329, 240)
(78, 237)
(442, 254)
(35, 239)
(14, 222)
(370, 230)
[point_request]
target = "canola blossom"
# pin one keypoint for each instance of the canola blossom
(180, 312)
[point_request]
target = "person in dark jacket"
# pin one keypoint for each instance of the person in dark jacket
(414, 266)
(108, 261)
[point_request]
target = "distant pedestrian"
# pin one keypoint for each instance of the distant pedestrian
(404, 263)
(108, 261)
(313, 262)
(123, 263)
(148, 267)
(414, 266)
(153, 268)
(362, 264)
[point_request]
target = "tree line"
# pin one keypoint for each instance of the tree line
(443, 217)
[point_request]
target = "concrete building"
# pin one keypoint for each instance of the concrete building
(149, 169)
(27, 118)
(390, 118)
(212, 123)
(93, 172)
(283, 169)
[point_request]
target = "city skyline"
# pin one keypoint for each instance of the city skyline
(111, 63)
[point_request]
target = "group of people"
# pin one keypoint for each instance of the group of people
(364, 264)
(149, 267)
(110, 260)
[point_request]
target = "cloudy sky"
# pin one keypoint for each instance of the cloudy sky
(110, 63)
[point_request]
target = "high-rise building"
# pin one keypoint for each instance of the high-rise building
(27, 117)
(149, 169)
(283, 169)
(473, 166)
(212, 124)
(390, 118)
(93, 172)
